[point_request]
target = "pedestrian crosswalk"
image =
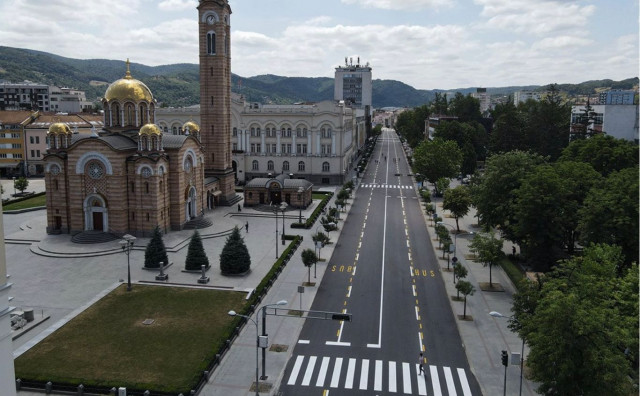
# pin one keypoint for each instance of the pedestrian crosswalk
(378, 375)
(402, 187)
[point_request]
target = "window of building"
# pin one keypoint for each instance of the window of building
(301, 166)
(31, 139)
(285, 166)
(146, 186)
(37, 139)
(234, 146)
(258, 147)
(211, 43)
(33, 153)
(326, 167)
(235, 132)
(133, 187)
(283, 147)
(270, 165)
(254, 165)
(38, 153)
(273, 148)
(16, 145)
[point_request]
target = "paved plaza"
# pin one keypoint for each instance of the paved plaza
(57, 279)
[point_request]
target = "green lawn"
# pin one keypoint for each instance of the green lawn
(108, 345)
(40, 200)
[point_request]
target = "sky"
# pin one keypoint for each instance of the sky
(428, 44)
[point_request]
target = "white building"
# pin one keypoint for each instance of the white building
(68, 100)
(484, 98)
(619, 121)
(353, 84)
(523, 96)
(317, 142)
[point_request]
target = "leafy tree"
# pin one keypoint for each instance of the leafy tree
(509, 131)
(610, 213)
(547, 205)
(21, 184)
(436, 159)
(466, 108)
(234, 258)
(457, 201)
(459, 272)
(471, 138)
(440, 104)
(467, 289)
(320, 237)
(605, 153)
(410, 125)
(488, 250)
(548, 124)
(342, 194)
(581, 325)
(441, 185)
(155, 251)
(580, 129)
(196, 256)
(493, 193)
(309, 258)
(329, 223)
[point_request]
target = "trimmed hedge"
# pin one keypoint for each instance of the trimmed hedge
(316, 213)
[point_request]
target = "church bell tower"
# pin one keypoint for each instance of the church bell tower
(215, 93)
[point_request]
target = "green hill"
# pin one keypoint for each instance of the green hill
(178, 84)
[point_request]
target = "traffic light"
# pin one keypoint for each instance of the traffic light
(505, 359)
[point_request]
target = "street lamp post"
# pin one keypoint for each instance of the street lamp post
(275, 211)
(264, 334)
(496, 314)
(233, 313)
(300, 191)
(283, 207)
(14, 186)
(127, 244)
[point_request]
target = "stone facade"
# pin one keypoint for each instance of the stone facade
(317, 142)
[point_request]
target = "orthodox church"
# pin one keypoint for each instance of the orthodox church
(128, 177)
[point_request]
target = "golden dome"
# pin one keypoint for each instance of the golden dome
(150, 129)
(192, 126)
(59, 127)
(128, 88)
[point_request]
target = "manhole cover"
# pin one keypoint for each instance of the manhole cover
(148, 321)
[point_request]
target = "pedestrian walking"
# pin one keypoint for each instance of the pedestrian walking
(420, 363)
(246, 226)
(513, 250)
(239, 208)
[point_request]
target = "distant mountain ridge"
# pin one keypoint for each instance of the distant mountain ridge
(178, 84)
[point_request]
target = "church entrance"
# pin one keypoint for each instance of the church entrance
(97, 221)
(191, 210)
(96, 214)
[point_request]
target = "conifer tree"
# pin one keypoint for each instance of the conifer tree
(155, 252)
(196, 256)
(234, 258)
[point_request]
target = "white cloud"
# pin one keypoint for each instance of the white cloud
(561, 43)
(535, 17)
(400, 4)
(177, 5)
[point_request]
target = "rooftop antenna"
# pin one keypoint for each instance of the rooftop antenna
(351, 61)
(345, 61)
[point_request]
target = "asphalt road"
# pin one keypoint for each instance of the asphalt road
(384, 273)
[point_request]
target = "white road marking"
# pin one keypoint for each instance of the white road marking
(377, 384)
(364, 374)
(303, 341)
(393, 387)
(337, 343)
(406, 378)
(348, 383)
(449, 380)
(415, 293)
(323, 371)
(422, 382)
(349, 292)
(466, 390)
(335, 379)
(296, 369)
(435, 381)
(417, 312)
(309, 372)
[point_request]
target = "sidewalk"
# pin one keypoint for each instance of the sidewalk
(485, 336)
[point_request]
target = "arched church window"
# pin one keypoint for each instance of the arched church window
(211, 43)
(326, 167)
(301, 166)
(285, 166)
(270, 165)
(254, 165)
(54, 169)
